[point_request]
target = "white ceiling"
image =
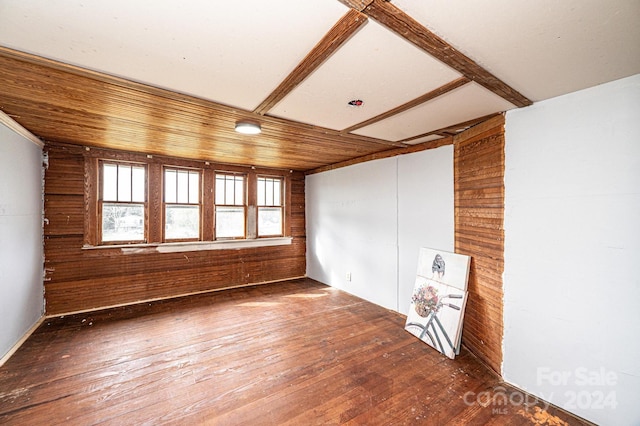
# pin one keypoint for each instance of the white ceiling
(462, 104)
(542, 48)
(232, 52)
(237, 52)
(373, 56)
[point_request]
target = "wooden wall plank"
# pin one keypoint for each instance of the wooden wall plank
(80, 279)
(67, 176)
(479, 233)
(64, 214)
(154, 232)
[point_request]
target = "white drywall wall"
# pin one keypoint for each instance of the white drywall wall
(352, 227)
(21, 257)
(425, 212)
(370, 219)
(572, 251)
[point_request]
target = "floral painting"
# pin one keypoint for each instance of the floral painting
(438, 300)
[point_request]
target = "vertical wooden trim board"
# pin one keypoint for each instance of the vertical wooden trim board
(17, 128)
(479, 233)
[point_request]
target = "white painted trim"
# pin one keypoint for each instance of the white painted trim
(17, 127)
(195, 245)
(23, 339)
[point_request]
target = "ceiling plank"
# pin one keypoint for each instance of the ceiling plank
(348, 25)
(417, 101)
(396, 20)
(64, 103)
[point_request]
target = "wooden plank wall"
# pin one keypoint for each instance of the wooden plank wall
(77, 279)
(479, 233)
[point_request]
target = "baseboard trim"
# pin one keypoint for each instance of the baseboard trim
(173, 296)
(23, 339)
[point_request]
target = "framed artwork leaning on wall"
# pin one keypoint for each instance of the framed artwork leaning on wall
(438, 300)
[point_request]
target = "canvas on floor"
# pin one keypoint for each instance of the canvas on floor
(438, 300)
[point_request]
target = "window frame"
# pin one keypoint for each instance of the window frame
(281, 206)
(100, 201)
(244, 205)
(154, 208)
(189, 170)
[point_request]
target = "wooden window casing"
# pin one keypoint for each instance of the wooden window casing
(230, 199)
(155, 207)
(182, 204)
(270, 206)
(122, 186)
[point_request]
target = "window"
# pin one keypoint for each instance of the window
(181, 204)
(143, 200)
(269, 206)
(122, 202)
(230, 196)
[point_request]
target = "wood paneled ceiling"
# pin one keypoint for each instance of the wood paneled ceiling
(172, 78)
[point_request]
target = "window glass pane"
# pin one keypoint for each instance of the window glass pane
(269, 191)
(170, 186)
(239, 191)
(110, 182)
(182, 222)
(230, 222)
(124, 183)
(229, 191)
(122, 222)
(138, 184)
(269, 221)
(183, 186)
(219, 189)
(194, 187)
(261, 186)
(277, 188)
(269, 195)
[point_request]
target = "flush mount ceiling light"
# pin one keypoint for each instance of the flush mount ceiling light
(248, 128)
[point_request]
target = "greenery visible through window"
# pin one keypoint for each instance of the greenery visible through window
(269, 206)
(122, 204)
(230, 206)
(182, 204)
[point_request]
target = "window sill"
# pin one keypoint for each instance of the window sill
(194, 245)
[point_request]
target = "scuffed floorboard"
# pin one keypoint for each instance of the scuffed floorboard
(291, 353)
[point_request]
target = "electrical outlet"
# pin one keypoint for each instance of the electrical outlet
(348, 276)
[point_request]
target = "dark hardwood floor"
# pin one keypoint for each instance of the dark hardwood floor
(295, 353)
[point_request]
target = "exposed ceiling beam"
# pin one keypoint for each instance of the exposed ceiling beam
(358, 5)
(385, 154)
(396, 20)
(420, 100)
(456, 128)
(336, 37)
(65, 103)
(451, 130)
